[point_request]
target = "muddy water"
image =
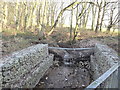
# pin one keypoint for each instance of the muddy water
(65, 77)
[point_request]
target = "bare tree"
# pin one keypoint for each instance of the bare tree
(25, 16)
(53, 7)
(94, 9)
(5, 8)
(60, 14)
(39, 14)
(98, 18)
(103, 14)
(113, 20)
(78, 17)
(17, 15)
(86, 16)
(76, 27)
(62, 17)
(71, 22)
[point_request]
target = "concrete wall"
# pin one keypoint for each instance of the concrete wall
(104, 58)
(24, 68)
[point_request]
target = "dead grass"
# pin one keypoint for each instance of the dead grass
(22, 40)
(11, 43)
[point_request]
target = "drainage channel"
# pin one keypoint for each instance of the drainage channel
(67, 73)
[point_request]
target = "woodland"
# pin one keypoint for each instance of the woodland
(62, 24)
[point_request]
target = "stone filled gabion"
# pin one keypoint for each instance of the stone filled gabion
(103, 59)
(25, 68)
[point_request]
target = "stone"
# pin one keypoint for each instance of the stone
(25, 68)
(102, 60)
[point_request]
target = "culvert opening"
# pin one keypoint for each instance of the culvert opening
(68, 72)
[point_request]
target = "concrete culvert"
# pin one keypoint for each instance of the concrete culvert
(85, 72)
(34, 67)
(74, 72)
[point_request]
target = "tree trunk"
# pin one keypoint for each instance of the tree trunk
(93, 16)
(87, 18)
(5, 13)
(71, 24)
(38, 17)
(43, 20)
(25, 17)
(48, 15)
(98, 18)
(102, 16)
(111, 21)
(59, 15)
(17, 15)
(62, 18)
(77, 20)
(76, 27)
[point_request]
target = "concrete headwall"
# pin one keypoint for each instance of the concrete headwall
(103, 59)
(24, 68)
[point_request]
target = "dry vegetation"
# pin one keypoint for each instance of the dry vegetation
(11, 43)
(42, 21)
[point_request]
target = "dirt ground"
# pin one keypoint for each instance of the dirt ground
(85, 39)
(65, 77)
(61, 76)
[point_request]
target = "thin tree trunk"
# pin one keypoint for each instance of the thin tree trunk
(59, 15)
(87, 18)
(77, 20)
(71, 24)
(43, 20)
(52, 16)
(62, 19)
(84, 16)
(17, 15)
(98, 18)
(48, 16)
(25, 17)
(39, 12)
(76, 27)
(5, 13)
(111, 21)
(102, 16)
